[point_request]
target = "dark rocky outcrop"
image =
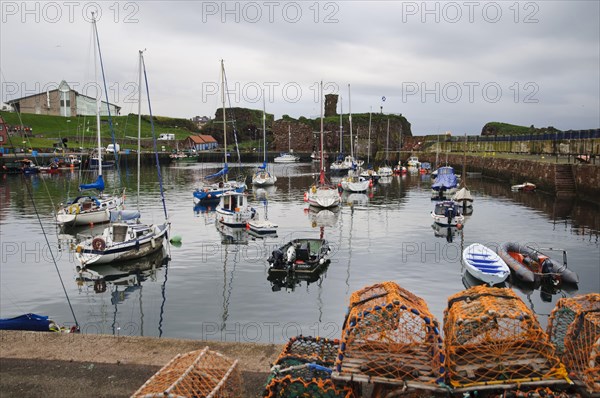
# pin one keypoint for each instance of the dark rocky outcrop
(305, 137)
(331, 105)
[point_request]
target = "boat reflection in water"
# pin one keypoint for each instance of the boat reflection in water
(450, 233)
(232, 236)
(204, 209)
(469, 280)
(355, 199)
(322, 217)
(130, 274)
(548, 290)
(290, 280)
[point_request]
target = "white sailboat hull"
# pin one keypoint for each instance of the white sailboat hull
(264, 179)
(130, 249)
(355, 185)
(286, 158)
(323, 197)
(76, 214)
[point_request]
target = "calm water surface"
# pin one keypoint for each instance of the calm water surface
(215, 285)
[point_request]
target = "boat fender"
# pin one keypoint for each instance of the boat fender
(98, 244)
(137, 245)
(100, 286)
(153, 243)
(313, 189)
(306, 196)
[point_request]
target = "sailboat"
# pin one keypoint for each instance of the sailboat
(463, 195)
(385, 170)
(354, 181)
(233, 209)
(263, 177)
(262, 228)
(288, 157)
(321, 194)
(212, 192)
(127, 238)
(87, 209)
(341, 164)
(369, 172)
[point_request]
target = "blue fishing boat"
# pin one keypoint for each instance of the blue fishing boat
(445, 184)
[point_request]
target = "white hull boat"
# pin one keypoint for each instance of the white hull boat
(447, 214)
(484, 264)
(121, 242)
(234, 211)
(85, 210)
(286, 158)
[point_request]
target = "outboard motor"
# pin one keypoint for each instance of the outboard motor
(291, 254)
(450, 214)
(276, 259)
(547, 269)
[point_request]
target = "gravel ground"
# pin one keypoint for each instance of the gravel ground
(36, 364)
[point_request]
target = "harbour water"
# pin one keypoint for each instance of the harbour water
(215, 285)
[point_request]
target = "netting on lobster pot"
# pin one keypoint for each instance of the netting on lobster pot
(303, 369)
(390, 338)
(493, 339)
(574, 327)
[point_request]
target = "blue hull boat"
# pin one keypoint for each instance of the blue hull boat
(30, 322)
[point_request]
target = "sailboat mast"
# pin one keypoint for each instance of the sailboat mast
(369, 145)
(350, 119)
(341, 126)
(98, 95)
(224, 118)
(322, 173)
(139, 127)
(289, 138)
(264, 130)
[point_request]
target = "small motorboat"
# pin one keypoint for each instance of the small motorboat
(526, 187)
(448, 213)
(300, 255)
(261, 228)
(530, 265)
(484, 264)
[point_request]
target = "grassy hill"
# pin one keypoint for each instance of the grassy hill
(498, 128)
(81, 130)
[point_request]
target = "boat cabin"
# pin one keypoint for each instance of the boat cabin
(447, 208)
(232, 201)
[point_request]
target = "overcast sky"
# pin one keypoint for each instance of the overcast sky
(446, 66)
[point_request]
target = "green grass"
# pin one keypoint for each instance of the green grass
(57, 127)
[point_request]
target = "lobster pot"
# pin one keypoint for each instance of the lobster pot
(580, 339)
(200, 373)
(565, 312)
(391, 339)
(493, 339)
(303, 369)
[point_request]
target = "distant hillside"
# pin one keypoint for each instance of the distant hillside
(80, 131)
(497, 128)
(60, 126)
